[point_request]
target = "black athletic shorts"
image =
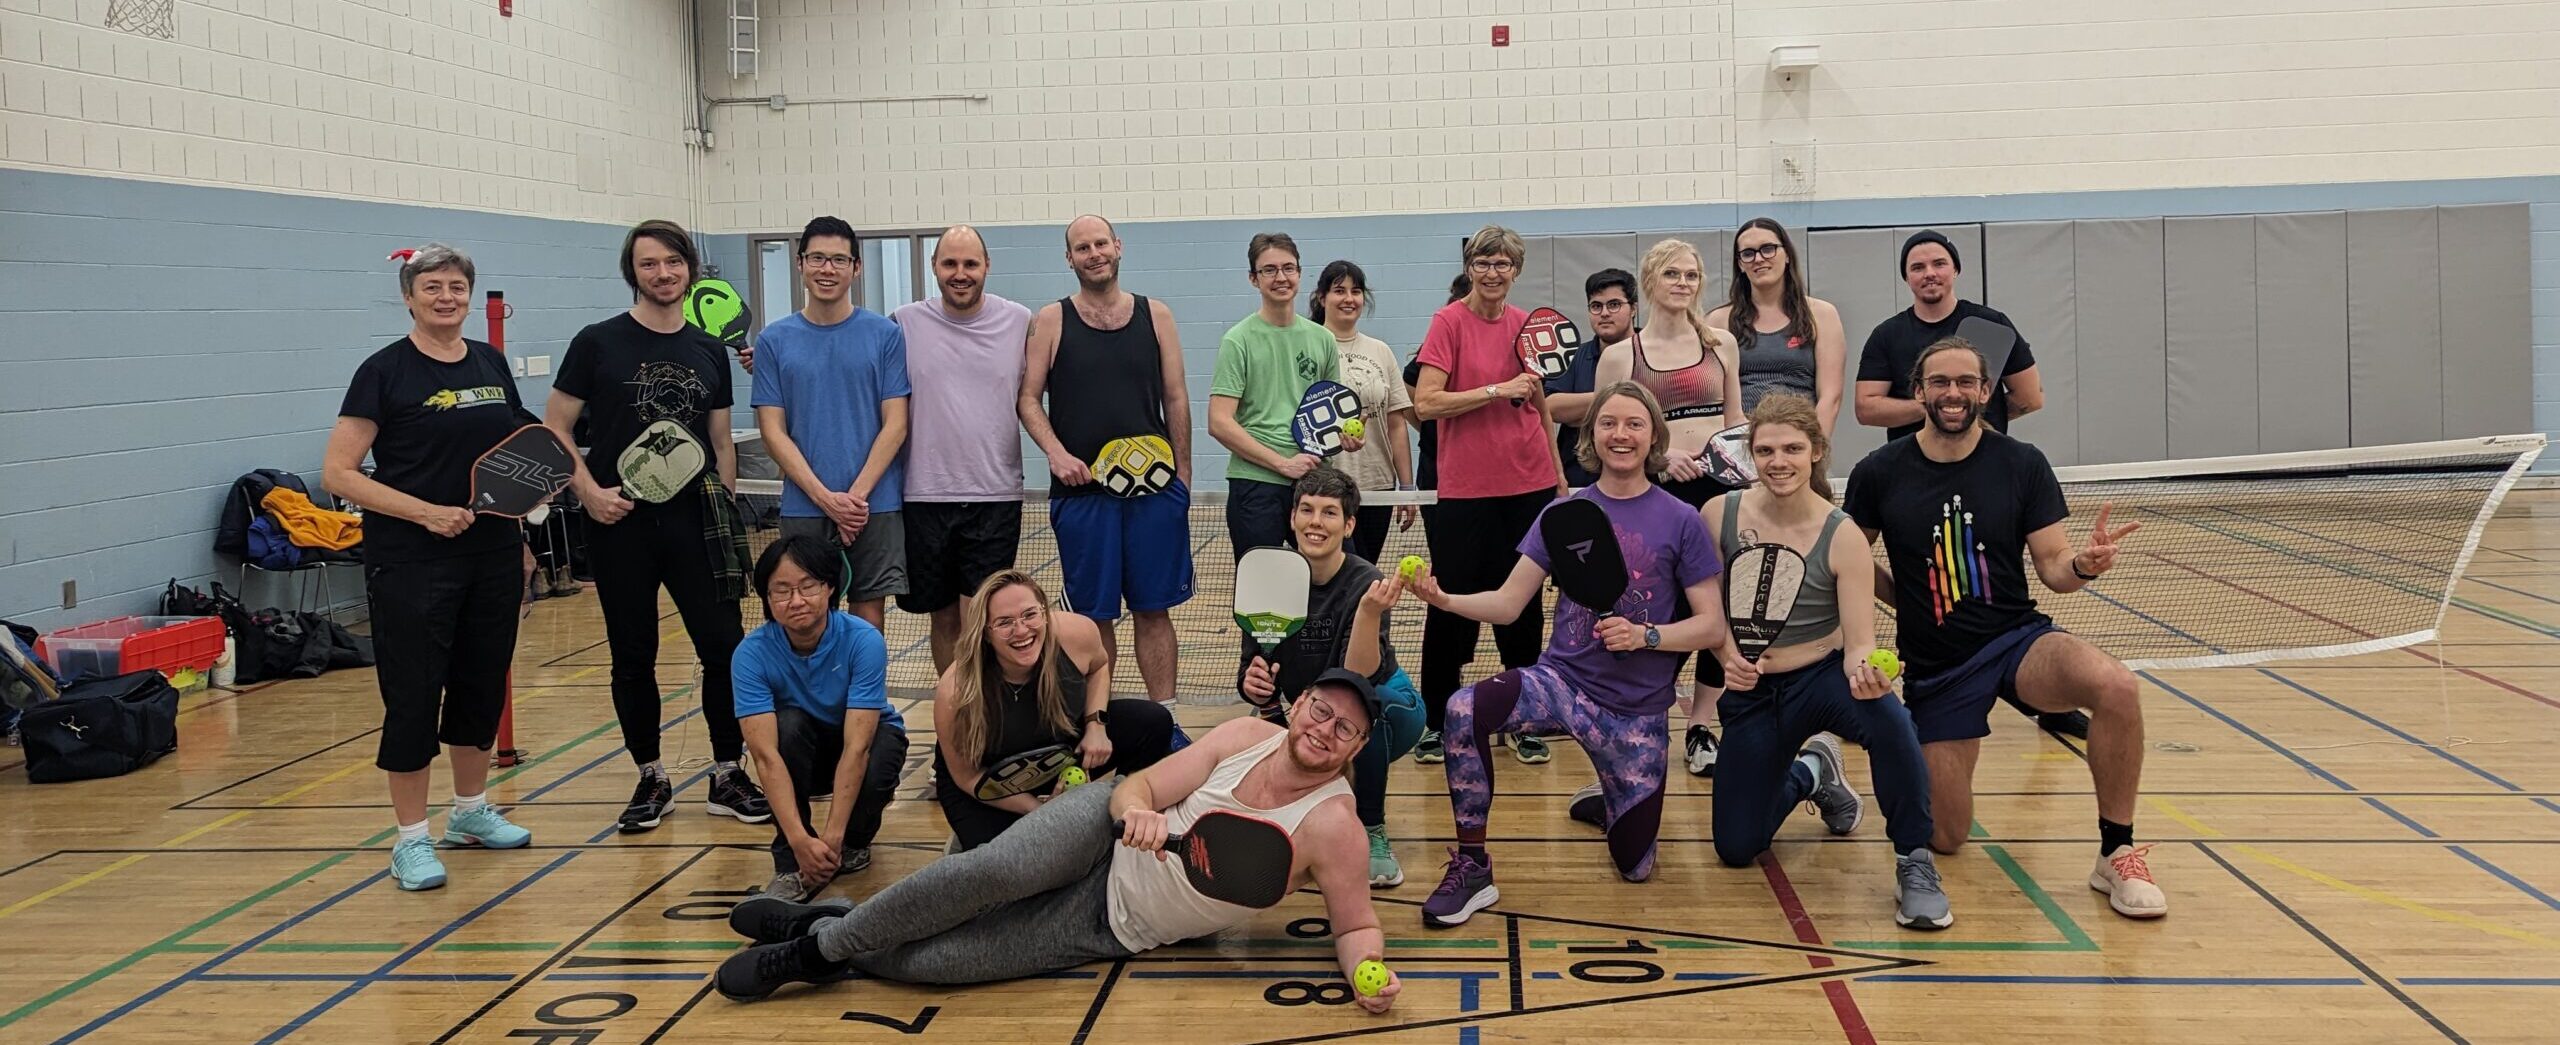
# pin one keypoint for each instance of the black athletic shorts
(953, 547)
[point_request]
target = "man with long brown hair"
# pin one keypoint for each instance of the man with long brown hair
(1025, 676)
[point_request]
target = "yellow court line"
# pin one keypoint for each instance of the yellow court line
(2183, 820)
(2411, 906)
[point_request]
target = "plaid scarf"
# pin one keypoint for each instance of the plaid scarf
(724, 537)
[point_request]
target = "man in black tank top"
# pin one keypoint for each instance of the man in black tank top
(1114, 362)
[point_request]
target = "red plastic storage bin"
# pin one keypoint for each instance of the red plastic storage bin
(119, 645)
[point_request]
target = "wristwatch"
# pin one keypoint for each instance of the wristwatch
(1097, 717)
(1652, 637)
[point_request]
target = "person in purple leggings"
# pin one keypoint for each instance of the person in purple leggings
(1605, 681)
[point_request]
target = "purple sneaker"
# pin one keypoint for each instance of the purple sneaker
(1466, 889)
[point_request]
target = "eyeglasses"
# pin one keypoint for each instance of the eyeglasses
(1030, 618)
(1269, 271)
(1602, 308)
(827, 261)
(1765, 250)
(1324, 715)
(811, 591)
(1961, 382)
(1492, 265)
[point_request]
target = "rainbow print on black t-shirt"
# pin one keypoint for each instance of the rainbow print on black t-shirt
(1957, 570)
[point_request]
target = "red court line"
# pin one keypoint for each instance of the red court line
(2410, 650)
(1853, 1023)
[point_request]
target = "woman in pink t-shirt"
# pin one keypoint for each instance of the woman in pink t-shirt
(1497, 470)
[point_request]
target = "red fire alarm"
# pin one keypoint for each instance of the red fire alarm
(506, 8)
(1502, 36)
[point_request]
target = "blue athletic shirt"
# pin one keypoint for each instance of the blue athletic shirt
(830, 382)
(849, 671)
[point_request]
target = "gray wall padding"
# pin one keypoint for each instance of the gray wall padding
(2302, 331)
(2211, 266)
(1863, 301)
(2395, 348)
(2028, 269)
(2123, 359)
(2484, 285)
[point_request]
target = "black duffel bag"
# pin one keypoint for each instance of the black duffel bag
(101, 728)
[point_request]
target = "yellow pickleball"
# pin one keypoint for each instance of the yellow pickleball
(1353, 427)
(1369, 978)
(1886, 663)
(1070, 777)
(1409, 567)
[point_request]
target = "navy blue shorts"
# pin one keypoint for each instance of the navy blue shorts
(1135, 550)
(1956, 704)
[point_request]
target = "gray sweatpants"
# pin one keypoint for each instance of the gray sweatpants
(1034, 900)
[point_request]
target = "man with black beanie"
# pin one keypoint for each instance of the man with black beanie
(1930, 264)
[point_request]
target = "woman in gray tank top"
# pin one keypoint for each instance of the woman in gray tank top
(1814, 677)
(1790, 341)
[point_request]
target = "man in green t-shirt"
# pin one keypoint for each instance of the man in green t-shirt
(1265, 363)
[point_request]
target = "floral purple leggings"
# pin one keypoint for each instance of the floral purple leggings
(1630, 751)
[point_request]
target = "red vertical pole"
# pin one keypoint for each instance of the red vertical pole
(506, 754)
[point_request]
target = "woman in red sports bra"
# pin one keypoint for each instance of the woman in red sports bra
(1686, 364)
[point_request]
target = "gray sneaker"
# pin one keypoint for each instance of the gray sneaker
(1919, 903)
(1832, 797)
(786, 885)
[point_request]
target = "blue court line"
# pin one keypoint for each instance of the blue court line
(2479, 981)
(2404, 820)
(2521, 885)
(2394, 730)
(345, 977)
(1677, 976)
(2547, 804)
(2514, 620)
(1468, 1035)
(2121, 981)
(2441, 572)
(618, 751)
(416, 949)
(238, 949)
(607, 976)
(2252, 734)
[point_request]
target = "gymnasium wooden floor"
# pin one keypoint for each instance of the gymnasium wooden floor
(2339, 873)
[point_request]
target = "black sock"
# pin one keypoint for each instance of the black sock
(2112, 834)
(809, 954)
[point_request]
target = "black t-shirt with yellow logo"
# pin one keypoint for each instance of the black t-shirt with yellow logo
(435, 420)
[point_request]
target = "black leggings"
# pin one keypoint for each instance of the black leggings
(1369, 540)
(1475, 542)
(810, 749)
(662, 544)
(1141, 731)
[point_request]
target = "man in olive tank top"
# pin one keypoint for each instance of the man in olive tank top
(1110, 365)
(1060, 888)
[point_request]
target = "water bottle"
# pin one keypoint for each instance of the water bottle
(223, 670)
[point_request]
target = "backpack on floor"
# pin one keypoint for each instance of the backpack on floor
(101, 728)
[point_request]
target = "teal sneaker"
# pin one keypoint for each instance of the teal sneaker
(415, 866)
(1384, 871)
(485, 827)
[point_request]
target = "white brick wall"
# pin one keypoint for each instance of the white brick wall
(566, 110)
(1987, 97)
(1219, 108)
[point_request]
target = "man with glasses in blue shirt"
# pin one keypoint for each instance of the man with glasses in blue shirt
(1611, 296)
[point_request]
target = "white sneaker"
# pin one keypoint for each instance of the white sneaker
(2126, 879)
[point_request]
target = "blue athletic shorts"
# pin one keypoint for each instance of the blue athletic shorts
(1132, 549)
(1956, 704)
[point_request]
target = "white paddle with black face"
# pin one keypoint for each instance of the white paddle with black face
(1760, 587)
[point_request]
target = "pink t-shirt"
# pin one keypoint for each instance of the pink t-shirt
(1496, 450)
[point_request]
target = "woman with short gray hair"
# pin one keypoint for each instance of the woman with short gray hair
(443, 583)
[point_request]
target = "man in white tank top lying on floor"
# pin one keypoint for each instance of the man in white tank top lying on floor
(1054, 891)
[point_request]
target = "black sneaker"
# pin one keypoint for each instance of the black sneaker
(1701, 750)
(856, 859)
(2064, 723)
(772, 919)
(649, 804)
(759, 971)
(732, 794)
(1589, 806)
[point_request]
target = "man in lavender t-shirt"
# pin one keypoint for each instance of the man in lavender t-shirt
(1606, 681)
(964, 455)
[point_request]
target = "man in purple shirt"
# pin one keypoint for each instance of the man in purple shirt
(1605, 681)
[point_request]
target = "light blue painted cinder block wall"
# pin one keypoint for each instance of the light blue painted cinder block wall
(157, 340)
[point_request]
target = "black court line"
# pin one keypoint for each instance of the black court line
(30, 863)
(681, 1012)
(571, 947)
(1835, 972)
(2334, 947)
(1093, 1012)
(190, 803)
(1511, 937)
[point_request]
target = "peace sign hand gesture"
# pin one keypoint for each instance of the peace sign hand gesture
(2100, 555)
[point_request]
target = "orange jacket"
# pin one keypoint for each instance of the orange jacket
(310, 525)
